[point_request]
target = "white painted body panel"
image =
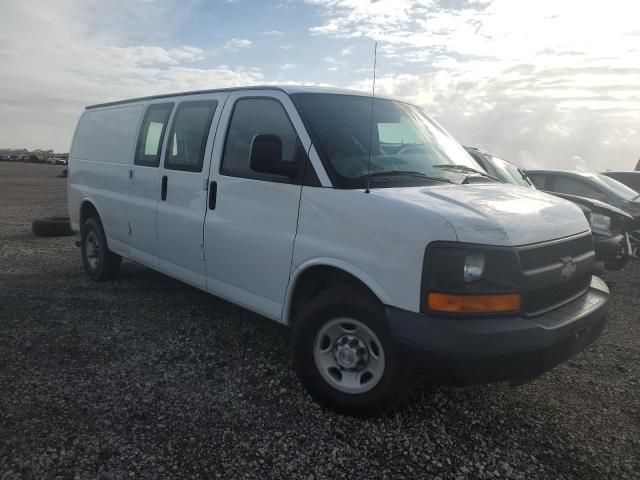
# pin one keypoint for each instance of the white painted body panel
(99, 164)
(496, 213)
(262, 235)
(180, 217)
(249, 237)
(376, 238)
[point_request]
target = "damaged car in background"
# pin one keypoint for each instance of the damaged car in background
(610, 225)
(599, 187)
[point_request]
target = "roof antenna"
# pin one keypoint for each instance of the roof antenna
(373, 96)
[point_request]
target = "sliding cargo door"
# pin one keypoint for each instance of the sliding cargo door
(183, 187)
(144, 184)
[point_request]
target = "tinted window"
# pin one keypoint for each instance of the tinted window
(540, 181)
(151, 134)
(188, 135)
(574, 187)
(360, 141)
(258, 116)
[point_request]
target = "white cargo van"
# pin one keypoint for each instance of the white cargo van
(360, 223)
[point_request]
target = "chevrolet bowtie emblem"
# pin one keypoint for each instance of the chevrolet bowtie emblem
(568, 267)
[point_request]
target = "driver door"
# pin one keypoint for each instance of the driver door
(252, 217)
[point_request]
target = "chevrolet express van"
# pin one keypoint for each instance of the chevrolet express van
(359, 222)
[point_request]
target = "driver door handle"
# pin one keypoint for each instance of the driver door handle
(163, 191)
(213, 193)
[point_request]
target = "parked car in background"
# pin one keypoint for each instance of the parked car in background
(598, 187)
(372, 235)
(630, 179)
(498, 168)
(608, 224)
(56, 161)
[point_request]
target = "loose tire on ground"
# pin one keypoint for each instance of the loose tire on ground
(52, 227)
(100, 263)
(311, 348)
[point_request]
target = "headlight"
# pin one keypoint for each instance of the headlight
(599, 221)
(467, 278)
(473, 267)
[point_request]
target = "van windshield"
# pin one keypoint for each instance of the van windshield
(407, 147)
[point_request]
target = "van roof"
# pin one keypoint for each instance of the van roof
(288, 89)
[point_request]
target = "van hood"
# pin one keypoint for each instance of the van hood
(494, 213)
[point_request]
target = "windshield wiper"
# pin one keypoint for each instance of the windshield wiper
(464, 168)
(404, 173)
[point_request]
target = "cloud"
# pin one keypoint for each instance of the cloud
(288, 66)
(286, 46)
(529, 130)
(237, 43)
(541, 81)
(50, 74)
(276, 33)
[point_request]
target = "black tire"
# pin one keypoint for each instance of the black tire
(353, 302)
(100, 263)
(52, 227)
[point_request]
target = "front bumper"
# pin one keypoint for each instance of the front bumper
(485, 350)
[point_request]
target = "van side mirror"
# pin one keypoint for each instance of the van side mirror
(266, 157)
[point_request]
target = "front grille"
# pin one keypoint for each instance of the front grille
(537, 257)
(544, 298)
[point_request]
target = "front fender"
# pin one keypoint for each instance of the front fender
(346, 267)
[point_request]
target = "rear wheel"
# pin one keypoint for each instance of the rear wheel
(99, 262)
(344, 355)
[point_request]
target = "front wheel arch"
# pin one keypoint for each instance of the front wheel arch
(314, 277)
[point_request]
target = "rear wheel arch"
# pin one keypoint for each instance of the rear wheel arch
(309, 281)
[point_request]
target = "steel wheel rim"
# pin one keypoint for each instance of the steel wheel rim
(349, 355)
(634, 243)
(91, 248)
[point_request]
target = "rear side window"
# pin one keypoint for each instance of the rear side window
(188, 135)
(258, 116)
(574, 187)
(151, 134)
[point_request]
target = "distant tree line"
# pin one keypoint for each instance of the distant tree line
(38, 152)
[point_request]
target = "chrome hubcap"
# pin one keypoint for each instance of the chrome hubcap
(91, 249)
(349, 355)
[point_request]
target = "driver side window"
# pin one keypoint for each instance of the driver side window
(258, 116)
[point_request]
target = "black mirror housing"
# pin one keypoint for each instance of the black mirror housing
(266, 157)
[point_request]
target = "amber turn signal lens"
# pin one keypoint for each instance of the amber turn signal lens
(441, 302)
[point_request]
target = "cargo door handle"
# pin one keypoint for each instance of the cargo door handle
(213, 192)
(163, 191)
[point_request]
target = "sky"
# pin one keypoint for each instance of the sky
(546, 83)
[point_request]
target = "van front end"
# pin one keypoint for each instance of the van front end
(492, 314)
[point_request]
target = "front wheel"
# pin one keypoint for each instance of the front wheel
(344, 355)
(99, 262)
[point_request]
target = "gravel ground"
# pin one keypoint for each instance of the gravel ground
(149, 378)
